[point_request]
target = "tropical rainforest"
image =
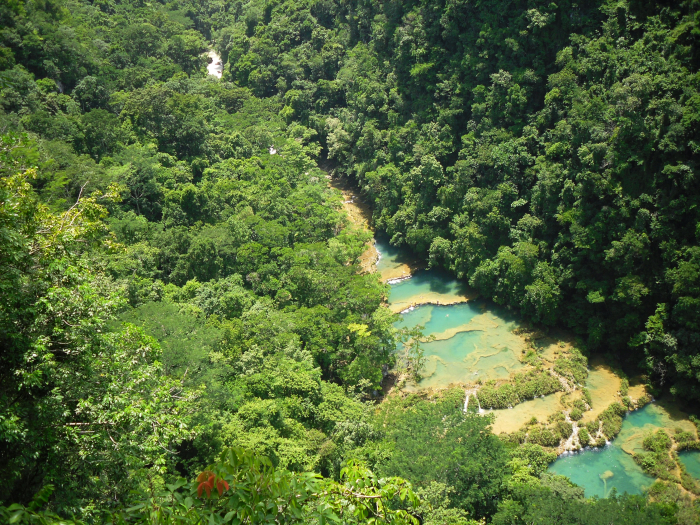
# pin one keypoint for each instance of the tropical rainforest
(186, 335)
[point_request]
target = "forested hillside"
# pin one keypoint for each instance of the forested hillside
(544, 152)
(180, 289)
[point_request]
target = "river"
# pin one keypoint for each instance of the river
(214, 66)
(599, 470)
(475, 340)
(472, 340)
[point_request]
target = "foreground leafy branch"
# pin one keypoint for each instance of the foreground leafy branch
(242, 488)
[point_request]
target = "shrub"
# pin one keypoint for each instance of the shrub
(612, 420)
(523, 386)
(584, 437)
(543, 436)
(685, 440)
(643, 400)
(572, 367)
(536, 457)
(599, 442)
(503, 396)
(658, 464)
(531, 358)
(587, 397)
(612, 427)
(689, 483)
(534, 383)
(556, 416)
(592, 427)
(576, 414)
(624, 386)
(657, 442)
(565, 429)
(657, 460)
(516, 438)
(646, 461)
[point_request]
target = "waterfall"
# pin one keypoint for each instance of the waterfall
(481, 410)
(466, 400)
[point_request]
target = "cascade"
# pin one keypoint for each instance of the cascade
(466, 402)
(481, 410)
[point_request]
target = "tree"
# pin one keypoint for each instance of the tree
(78, 404)
(102, 133)
(437, 441)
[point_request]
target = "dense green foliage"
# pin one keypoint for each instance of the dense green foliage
(439, 442)
(243, 488)
(544, 152)
(434, 443)
(526, 385)
(169, 286)
(177, 278)
(660, 457)
(655, 459)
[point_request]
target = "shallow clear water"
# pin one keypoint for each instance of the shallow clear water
(426, 286)
(585, 468)
(588, 470)
(464, 358)
(691, 460)
(470, 343)
(475, 342)
(603, 384)
(440, 319)
(391, 258)
(512, 419)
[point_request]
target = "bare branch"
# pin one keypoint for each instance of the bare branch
(74, 205)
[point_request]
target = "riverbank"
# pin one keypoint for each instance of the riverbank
(360, 216)
(392, 264)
